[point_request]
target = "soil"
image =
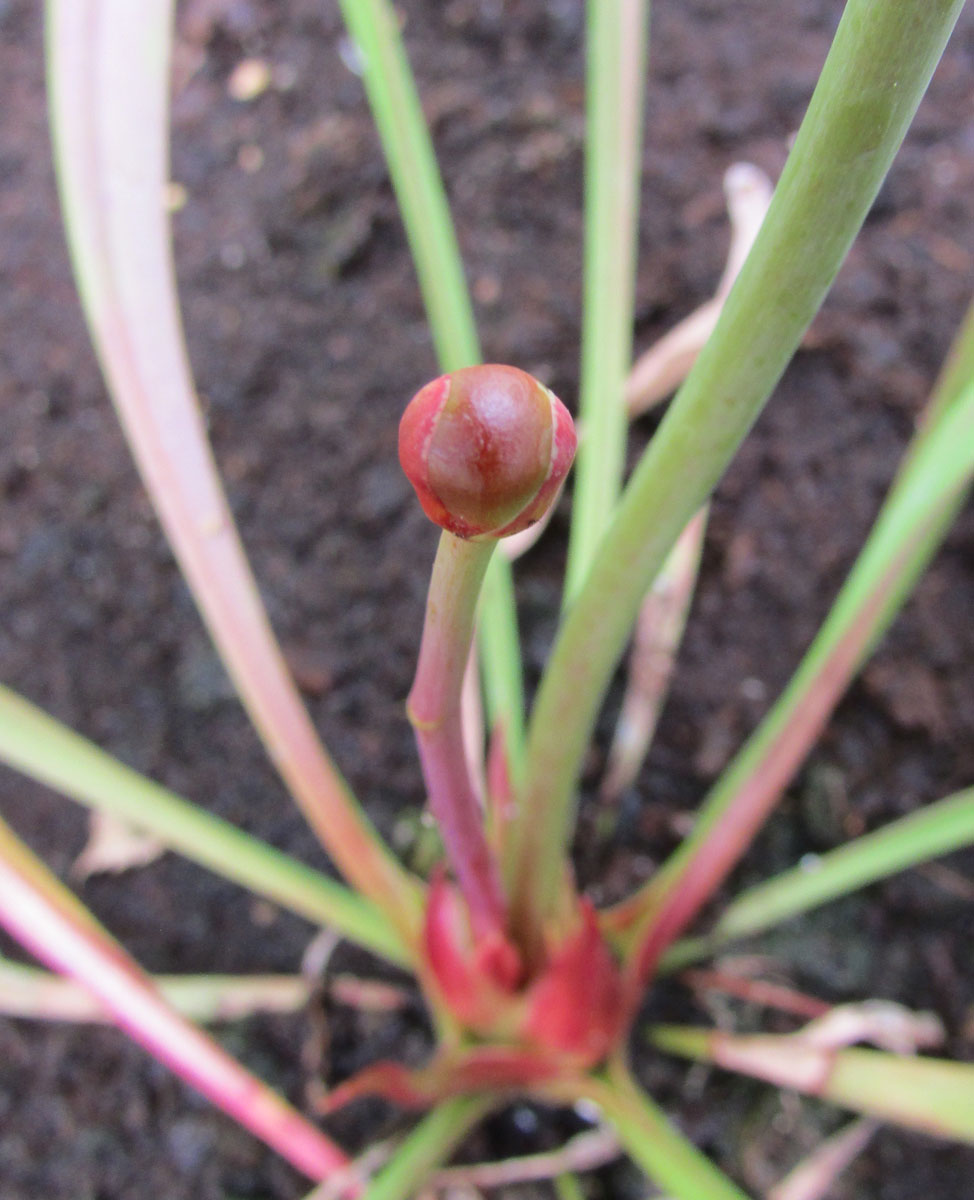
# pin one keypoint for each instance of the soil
(307, 335)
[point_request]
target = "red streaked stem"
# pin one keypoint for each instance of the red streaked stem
(755, 796)
(434, 711)
(47, 919)
(928, 490)
(757, 991)
(486, 449)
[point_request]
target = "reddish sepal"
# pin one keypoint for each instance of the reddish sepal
(575, 1006)
(476, 981)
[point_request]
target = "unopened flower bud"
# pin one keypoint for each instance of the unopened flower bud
(486, 449)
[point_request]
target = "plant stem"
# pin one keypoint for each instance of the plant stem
(416, 178)
(586, 1151)
(953, 381)
(39, 995)
(813, 1177)
(876, 73)
(568, 1187)
(434, 710)
(918, 510)
(432, 240)
(672, 1162)
(108, 69)
(38, 910)
(929, 1094)
(423, 1149)
(428, 1145)
(617, 45)
(656, 643)
(37, 744)
(937, 829)
(498, 640)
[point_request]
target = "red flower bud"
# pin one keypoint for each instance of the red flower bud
(486, 449)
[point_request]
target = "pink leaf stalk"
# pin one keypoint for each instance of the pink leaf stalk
(933, 1095)
(815, 1175)
(477, 1069)
(585, 1151)
(48, 920)
(109, 114)
(755, 797)
(486, 449)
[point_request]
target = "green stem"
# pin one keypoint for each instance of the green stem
(40, 995)
(617, 46)
(929, 1094)
(954, 379)
(672, 1162)
(924, 499)
(425, 212)
(876, 73)
(424, 1149)
(37, 744)
(568, 1187)
(416, 178)
(498, 639)
(938, 829)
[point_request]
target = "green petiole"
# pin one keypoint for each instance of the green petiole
(432, 240)
(37, 744)
(854, 125)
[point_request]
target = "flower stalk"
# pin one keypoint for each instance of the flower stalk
(486, 449)
(434, 712)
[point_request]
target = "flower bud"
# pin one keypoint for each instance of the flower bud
(486, 449)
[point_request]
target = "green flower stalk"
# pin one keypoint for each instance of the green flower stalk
(486, 449)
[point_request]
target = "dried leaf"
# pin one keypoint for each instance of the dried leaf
(885, 1024)
(114, 846)
(667, 363)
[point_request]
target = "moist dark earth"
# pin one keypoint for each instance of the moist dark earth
(307, 336)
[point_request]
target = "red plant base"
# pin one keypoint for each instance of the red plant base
(565, 1018)
(571, 1004)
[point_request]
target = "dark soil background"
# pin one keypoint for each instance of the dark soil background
(307, 336)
